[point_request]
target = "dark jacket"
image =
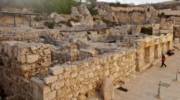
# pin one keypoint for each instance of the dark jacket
(163, 58)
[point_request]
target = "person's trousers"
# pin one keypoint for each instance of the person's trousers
(163, 64)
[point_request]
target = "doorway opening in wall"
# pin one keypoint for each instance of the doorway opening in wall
(156, 52)
(147, 54)
(129, 32)
(2, 94)
(147, 30)
(1, 62)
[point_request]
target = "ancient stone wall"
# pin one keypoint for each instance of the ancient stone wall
(9, 21)
(135, 17)
(131, 15)
(19, 62)
(70, 81)
(28, 65)
(73, 80)
(30, 35)
(156, 29)
(177, 31)
(176, 20)
(166, 27)
(150, 49)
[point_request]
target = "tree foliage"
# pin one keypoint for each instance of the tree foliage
(48, 6)
(45, 6)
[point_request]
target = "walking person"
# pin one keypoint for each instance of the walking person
(163, 61)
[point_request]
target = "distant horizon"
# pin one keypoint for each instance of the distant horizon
(136, 2)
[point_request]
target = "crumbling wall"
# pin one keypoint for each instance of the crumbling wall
(73, 80)
(70, 81)
(138, 17)
(177, 31)
(150, 49)
(156, 29)
(30, 35)
(9, 21)
(19, 62)
(166, 27)
(82, 16)
(26, 72)
(131, 15)
(123, 17)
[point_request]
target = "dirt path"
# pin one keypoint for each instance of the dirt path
(145, 85)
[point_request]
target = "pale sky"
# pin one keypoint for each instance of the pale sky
(135, 1)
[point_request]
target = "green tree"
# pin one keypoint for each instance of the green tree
(48, 6)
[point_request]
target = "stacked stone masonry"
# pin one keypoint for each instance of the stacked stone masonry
(71, 61)
(72, 80)
(28, 71)
(69, 81)
(19, 63)
(150, 49)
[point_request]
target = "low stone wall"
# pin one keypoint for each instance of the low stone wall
(27, 73)
(177, 31)
(18, 63)
(69, 81)
(30, 35)
(150, 49)
(73, 80)
(9, 21)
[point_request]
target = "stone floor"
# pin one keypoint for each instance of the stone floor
(145, 85)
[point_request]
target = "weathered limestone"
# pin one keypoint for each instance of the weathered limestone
(84, 16)
(86, 48)
(73, 78)
(76, 80)
(21, 21)
(108, 89)
(131, 15)
(151, 48)
(30, 35)
(177, 31)
(19, 62)
(84, 76)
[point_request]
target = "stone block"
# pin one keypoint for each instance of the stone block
(21, 58)
(57, 85)
(50, 96)
(25, 67)
(74, 74)
(32, 58)
(108, 89)
(56, 70)
(39, 89)
(82, 97)
(50, 79)
(47, 51)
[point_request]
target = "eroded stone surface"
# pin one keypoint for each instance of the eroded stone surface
(108, 89)
(71, 61)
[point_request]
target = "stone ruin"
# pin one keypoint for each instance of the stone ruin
(48, 65)
(72, 63)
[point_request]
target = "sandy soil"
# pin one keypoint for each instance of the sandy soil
(145, 85)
